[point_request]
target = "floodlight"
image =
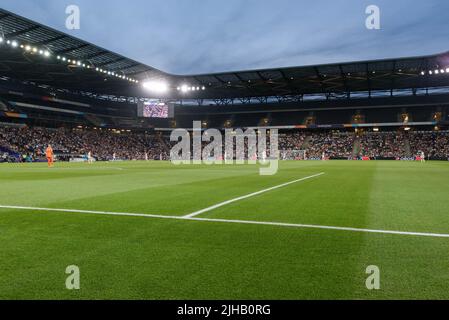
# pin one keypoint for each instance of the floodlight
(184, 88)
(156, 86)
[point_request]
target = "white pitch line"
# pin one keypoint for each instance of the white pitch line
(221, 204)
(264, 223)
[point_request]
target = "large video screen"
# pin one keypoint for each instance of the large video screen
(160, 110)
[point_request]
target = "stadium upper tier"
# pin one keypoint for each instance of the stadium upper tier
(32, 52)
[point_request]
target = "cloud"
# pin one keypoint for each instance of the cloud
(195, 36)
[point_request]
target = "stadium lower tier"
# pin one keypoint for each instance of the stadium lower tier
(29, 144)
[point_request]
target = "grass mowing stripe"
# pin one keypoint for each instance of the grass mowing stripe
(265, 223)
(221, 204)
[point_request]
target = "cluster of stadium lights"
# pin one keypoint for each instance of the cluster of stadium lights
(185, 88)
(436, 71)
(47, 54)
(162, 87)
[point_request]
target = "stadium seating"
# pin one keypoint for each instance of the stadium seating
(127, 145)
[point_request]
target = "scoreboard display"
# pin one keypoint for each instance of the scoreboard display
(158, 110)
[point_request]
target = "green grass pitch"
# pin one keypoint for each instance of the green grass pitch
(128, 257)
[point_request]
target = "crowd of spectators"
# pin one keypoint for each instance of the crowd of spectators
(102, 144)
(29, 144)
(292, 141)
(383, 145)
(434, 144)
(331, 145)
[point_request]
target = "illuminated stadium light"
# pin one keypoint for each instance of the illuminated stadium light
(156, 86)
(437, 71)
(47, 53)
(430, 72)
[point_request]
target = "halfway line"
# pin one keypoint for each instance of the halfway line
(221, 204)
(265, 223)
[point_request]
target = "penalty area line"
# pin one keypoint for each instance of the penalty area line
(228, 221)
(224, 203)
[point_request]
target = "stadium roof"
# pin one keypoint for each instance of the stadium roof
(101, 71)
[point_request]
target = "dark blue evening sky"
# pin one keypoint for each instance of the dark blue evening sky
(202, 36)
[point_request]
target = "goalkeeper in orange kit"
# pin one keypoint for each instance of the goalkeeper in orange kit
(49, 155)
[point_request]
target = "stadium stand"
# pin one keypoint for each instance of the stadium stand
(28, 144)
(77, 143)
(383, 145)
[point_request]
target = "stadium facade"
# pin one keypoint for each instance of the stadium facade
(53, 80)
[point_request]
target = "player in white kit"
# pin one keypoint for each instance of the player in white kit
(423, 156)
(90, 159)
